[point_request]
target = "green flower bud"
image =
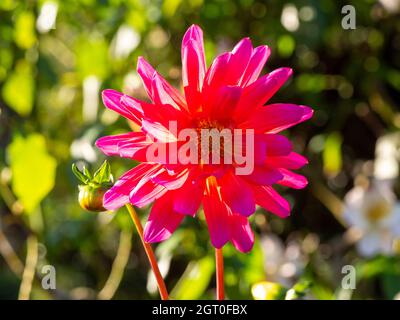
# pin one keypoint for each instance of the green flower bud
(93, 187)
(91, 197)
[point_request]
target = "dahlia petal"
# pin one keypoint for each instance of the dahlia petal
(277, 145)
(136, 150)
(240, 57)
(159, 90)
(271, 201)
(291, 161)
(165, 114)
(292, 180)
(118, 195)
(109, 144)
(171, 181)
(225, 101)
(217, 214)
(264, 175)
(162, 221)
(112, 100)
(242, 237)
(133, 104)
(145, 192)
(241, 147)
(146, 73)
(188, 198)
(237, 194)
(257, 61)
(127, 145)
(193, 65)
(216, 73)
(158, 131)
(161, 94)
(259, 92)
(277, 117)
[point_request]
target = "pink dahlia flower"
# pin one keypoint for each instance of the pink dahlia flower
(228, 95)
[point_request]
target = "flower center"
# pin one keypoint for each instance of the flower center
(213, 140)
(378, 211)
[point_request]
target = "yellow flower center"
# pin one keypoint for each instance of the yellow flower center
(378, 211)
(214, 138)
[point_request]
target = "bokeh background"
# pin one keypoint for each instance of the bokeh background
(57, 56)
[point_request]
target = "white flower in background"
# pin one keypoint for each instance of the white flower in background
(374, 213)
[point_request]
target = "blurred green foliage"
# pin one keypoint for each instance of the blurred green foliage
(51, 75)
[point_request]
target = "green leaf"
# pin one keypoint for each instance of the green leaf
(194, 280)
(87, 173)
(18, 91)
(33, 170)
(79, 174)
(103, 174)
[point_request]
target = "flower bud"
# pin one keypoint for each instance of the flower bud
(91, 197)
(93, 187)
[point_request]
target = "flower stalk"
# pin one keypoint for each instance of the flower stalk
(149, 252)
(219, 263)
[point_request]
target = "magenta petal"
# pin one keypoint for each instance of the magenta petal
(118, 195)
(242, 237)
(224, 102)
(159, 90)
(171, 181)
(215, 75)
(146, 193)
(259, 92)
(277, 117)
(258, 59)
(146, 72)
(291, 161)
(237, 194)
(292, 180)
(193, 65)
(164, 94)
(263, 175)
(109, 144)
(238, 61)
(162, 220)
(277, 145)
(217, 215)
(188, 198)
(271, 201)
(112, 100)
(128, 145)
(158, 131)
(164, 114)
